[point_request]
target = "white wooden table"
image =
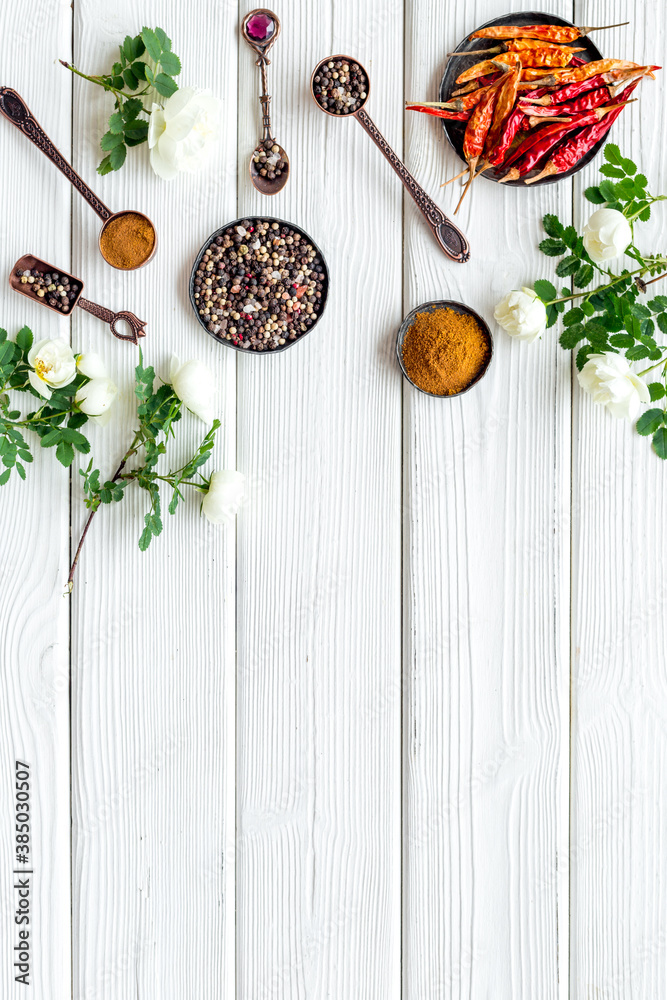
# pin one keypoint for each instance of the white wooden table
(402, 732)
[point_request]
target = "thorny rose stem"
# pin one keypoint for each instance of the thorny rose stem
(117, 474)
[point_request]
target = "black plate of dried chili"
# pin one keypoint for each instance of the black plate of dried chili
(455, 130)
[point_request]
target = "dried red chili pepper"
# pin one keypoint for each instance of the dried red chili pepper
(558, 76)
(533, 52)
(456, 116)
(548, 32)
(484, 67)
(507, 92)
(567, 93)
(478, 127)
(572, 151)
(587, 102)
(497, 155)
(535, 147)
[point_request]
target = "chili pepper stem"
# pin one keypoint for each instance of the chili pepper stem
(471, 166)
(477, 52)
(464, 171)
(511, 175)
(602, 27)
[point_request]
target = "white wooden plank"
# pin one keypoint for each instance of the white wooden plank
(34, 620)
(318, 875)
(153, 650)
(486, 597)
(619, 739)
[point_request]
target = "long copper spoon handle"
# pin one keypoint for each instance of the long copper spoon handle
(14, 108)
(449, 236)
(136, 325)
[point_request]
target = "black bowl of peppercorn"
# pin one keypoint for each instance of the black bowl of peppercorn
(259, 285)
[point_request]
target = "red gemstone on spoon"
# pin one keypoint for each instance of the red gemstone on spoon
(260, 27)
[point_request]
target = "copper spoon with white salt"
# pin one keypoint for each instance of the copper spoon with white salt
(260, 28)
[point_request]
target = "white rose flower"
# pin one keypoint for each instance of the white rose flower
(194, 384)
(522, 314)
(607, 235)
(53, 366)
(181, 134)
(611, 382)
(224, 496)
(96, 398)
(91, 364)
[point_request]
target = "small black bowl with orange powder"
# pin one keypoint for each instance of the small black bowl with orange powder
(444, 348)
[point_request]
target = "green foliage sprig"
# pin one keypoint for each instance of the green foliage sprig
(158, 410)
(609, 317)
(146, 63)
(56, 421)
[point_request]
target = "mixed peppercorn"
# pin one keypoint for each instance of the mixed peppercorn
(259, 284)
(339, 86)
(56, 290)
(268, 161)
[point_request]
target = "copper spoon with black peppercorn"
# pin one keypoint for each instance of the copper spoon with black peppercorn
(260, 28)
(30, 263)
(15, 110)
(450, 238)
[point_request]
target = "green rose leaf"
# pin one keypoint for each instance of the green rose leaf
(165, 85)
(649, 422)
(567, 266)
(152, 43)
(582, 355)
(660, 442)
(65, 453)
(162, 38)
(612, 153)
(130, 79)
(545, 290)
(171, 64)
(105, 166)
(552, 226)
(656, 390)
(117, 156)
(116, 123)
(594, 195)
(583, 276)
(610, 171)
(622, 340)
(571, 336)
(24, 338)
(552, 248)
(608, 191)
(110, 140)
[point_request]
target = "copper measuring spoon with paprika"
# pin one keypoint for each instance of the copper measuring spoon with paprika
(19, 281)
(127, 239)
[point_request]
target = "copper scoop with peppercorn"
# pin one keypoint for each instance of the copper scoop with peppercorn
(340, 86)
(59, 291)
(269, 164)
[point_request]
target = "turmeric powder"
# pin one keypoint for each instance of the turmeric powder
(127, 240)
(444, 351)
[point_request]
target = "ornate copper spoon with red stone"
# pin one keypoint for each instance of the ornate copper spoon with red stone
(54, 296)
(340, 87)
(269, 164)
